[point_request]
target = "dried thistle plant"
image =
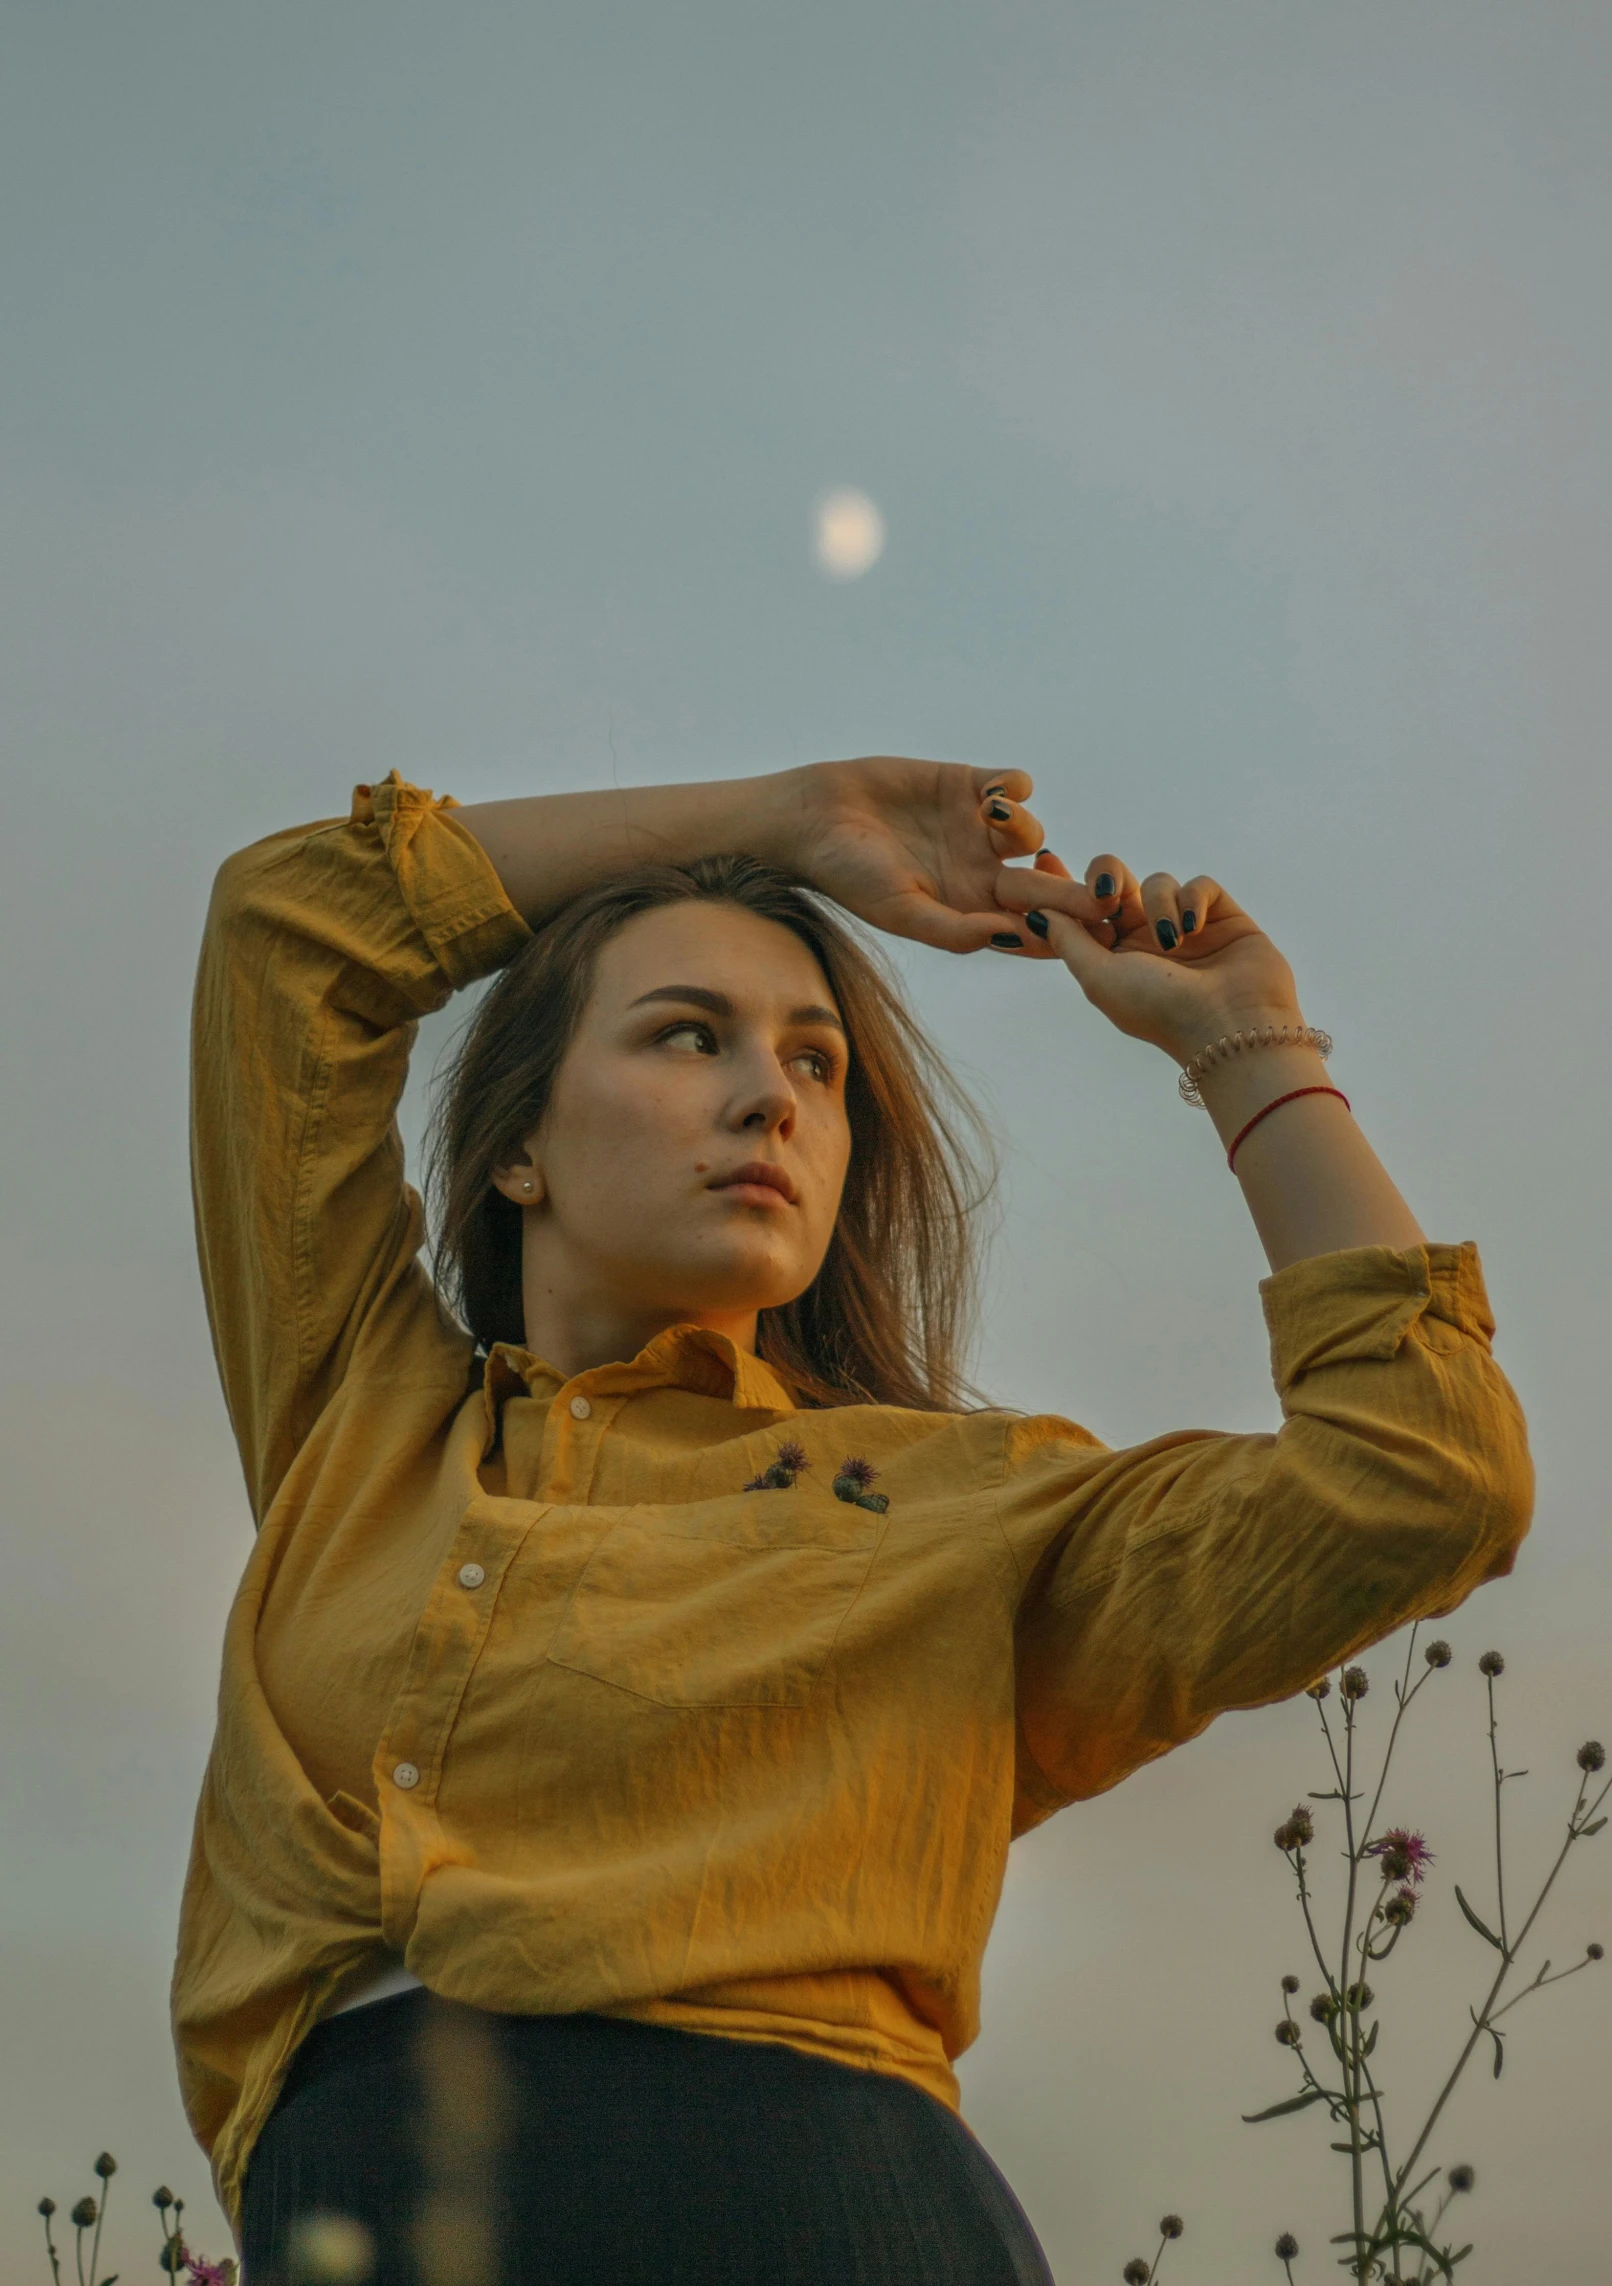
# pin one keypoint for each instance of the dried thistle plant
(88, 2218)
(1397, 2212)
(1139, 2271)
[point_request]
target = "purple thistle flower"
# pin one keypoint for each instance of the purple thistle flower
(1405, 1856)
(781, 1471)
(861, 1473)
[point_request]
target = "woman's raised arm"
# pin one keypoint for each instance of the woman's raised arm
(912, 847)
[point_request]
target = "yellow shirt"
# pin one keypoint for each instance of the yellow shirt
(523, 1685)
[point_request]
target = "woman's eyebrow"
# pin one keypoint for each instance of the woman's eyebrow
(718, 1004)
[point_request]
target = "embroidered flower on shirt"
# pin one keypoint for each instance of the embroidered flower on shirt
(782, 1470)
(851, 1483)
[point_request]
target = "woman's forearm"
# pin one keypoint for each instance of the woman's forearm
(548, 848)
(1313, 1183)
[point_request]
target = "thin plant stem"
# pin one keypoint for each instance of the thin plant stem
(1351, 2015)
(50, 2249)
(1483, 2017)
(1499, 1781)
(100, 2225)
(1406, 1692)
(1309, 1921)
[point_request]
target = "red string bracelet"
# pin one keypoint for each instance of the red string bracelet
(1291, 1097)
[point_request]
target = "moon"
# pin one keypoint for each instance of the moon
(847, 534)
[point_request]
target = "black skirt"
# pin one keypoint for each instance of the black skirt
(417, 2143)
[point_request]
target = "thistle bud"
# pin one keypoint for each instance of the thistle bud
(47, 2207)
(1321, 1690)
(1438, 1653)
(1137, 2272)
(1491, 1664)
(1592, 1755)
(1323, 2008)
(1296, 1831)
(1290, 1984)
(1594, 1952)
(1356, 1683)
(106, 2166)
(1400, 1909)
(1461, 2178)
(1359, 1996)
(1171, 2227)
(1287, 2247)
(1288, 2034)
(84, 2214)
(162, 2196)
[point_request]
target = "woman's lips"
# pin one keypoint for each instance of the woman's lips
(758, 1183)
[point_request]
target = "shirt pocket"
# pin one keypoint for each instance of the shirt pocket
(730, 1603)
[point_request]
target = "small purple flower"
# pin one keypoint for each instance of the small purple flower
(851, 1483)
(781, 1471)
(1405, 1856)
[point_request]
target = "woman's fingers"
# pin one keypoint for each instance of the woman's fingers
(1161, 904)
(1014, 785)
(913, 913)
(1118, 892)
(1013, 831)
(1200, 899)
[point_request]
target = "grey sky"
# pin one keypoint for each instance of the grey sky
(450, 389)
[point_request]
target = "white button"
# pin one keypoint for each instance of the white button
(471, 1575)
(405, 1775)
(580, 1408)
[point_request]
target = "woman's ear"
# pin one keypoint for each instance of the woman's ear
(521, 1180)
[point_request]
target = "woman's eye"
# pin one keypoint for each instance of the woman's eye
(690, 1039)
(820, 1066)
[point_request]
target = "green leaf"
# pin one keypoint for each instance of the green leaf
(1586, 1831)
(1482, 1927)
(1499, 2051)
(1293, 2103)
(1370, 2041)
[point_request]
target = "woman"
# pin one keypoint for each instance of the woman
(635, 1686)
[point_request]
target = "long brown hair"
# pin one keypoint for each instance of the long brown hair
(889, 1314)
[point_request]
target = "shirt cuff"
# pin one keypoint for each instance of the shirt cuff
(448, 882)
(1361, 1304)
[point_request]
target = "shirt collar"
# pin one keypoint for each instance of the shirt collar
(684, 1357)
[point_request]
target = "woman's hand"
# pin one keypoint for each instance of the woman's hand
(1175, 963)
(915, 848)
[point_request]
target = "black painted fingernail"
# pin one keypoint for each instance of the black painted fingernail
(1105, 885)
(989, 791)
(1036, 923)
(1009, 944)
(999, 810)
(1189, 921)
(1167, 934)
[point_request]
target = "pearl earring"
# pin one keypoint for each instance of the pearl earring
(526, 1186)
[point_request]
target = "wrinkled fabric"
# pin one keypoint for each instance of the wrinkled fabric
(558, 1713)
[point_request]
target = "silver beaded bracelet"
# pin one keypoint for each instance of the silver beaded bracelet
(1235, 1043)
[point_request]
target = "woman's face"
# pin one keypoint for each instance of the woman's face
(690, 1164)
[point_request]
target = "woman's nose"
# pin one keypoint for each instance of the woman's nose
(769, 1107)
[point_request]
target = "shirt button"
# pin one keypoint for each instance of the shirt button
(580, 1408)
(471, 1575)
(405, 1775)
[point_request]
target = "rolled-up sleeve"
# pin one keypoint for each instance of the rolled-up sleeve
(323, 947)
(1169, 1582)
